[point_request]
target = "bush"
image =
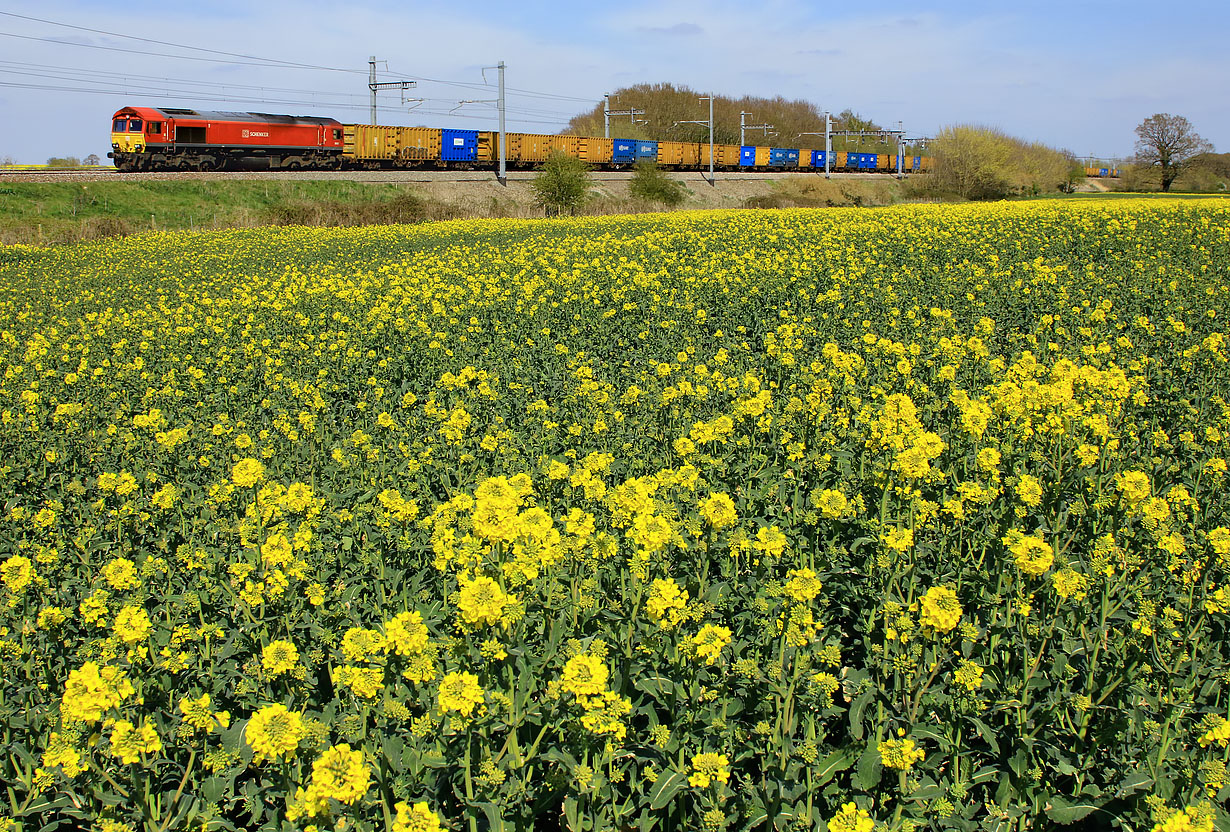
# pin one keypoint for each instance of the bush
(650, 183)
(562, 185)
(985, 163)
(63, 162)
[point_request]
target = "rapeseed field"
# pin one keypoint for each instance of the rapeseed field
(906, 519)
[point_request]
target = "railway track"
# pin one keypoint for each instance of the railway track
(56, 171)
(386, 176)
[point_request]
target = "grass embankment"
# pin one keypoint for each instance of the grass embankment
(69, 212)
(65, 212)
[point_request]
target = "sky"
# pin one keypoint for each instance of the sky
(1075, 75)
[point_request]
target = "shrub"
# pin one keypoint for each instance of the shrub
(562, 185)
(63, 162)
(985, 163)
(650, 183)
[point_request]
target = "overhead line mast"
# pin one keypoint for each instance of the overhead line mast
(373, 85)
(607, 112)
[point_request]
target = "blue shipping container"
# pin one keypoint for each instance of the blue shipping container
(1103, 172)
(777, 157)
(647, 150)
(792, 158)
(917, 162)
(624, 151)
(747, 155)
(867, 161)
(459, 145)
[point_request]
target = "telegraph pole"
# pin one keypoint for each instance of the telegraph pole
(374, 85)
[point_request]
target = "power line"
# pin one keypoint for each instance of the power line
(145, 52)
(248, 59)
(194, 95)
(177, 45)
(138, 82)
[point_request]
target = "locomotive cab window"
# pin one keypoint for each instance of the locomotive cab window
(154, 127)
(134, 125)
(337, 135)
(121, 124)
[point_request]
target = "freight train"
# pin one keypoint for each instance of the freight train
(180, 139)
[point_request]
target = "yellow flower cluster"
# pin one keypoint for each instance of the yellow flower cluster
(940, 609)
(274, 732)
(709, 768)
(900, 753)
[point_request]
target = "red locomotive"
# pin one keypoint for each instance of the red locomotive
(148, 138)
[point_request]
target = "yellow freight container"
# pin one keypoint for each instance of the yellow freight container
(723, 155)
(840, 159)
(532, 148)
(488, 147)
(680, 154)
(762, 157)
(366, 142)
(595, 150)
(884, 161)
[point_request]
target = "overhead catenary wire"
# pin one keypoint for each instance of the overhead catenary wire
(193, 95)
(140, 82)
(247, 60)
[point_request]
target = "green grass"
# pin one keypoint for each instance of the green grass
(1128, 195)
(55, 212)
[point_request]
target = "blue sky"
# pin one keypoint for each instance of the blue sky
(1071, 74)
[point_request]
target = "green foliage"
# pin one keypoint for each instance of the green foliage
(1074, 176)
(985, 163)
(562, 185)
(63, 162)
(649, 183)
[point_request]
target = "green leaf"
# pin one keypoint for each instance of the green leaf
(856, 712)
(659, 687)
(839, 760)
(984, 731)
(867, 775)
(927, 790)
(1063, 812)
(668, 785)
(1135, 781)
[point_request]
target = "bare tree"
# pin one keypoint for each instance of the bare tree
(1169, 143)
(92, 159)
